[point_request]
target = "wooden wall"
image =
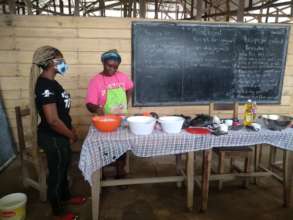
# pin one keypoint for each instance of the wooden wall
(82, 40)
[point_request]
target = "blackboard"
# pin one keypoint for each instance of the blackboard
(7, 145)
(189, 63)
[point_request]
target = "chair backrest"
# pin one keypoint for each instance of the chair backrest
(224, 107)
(20, 113)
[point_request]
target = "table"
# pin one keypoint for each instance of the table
(101, 149)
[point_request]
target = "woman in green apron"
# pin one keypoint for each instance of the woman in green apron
(108, 93)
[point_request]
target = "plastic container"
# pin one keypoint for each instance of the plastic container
(198, 130)
(171, 124)
(107, 123)
(141, 125)
(12, 207)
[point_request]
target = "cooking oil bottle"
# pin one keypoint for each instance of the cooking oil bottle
(254, 110)
(248, 113)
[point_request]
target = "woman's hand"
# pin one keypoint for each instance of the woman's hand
(100, 111)
(74, 137)
(97, 109)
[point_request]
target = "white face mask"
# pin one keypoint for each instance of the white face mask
(61, 66)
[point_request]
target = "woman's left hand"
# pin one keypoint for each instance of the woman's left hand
(75, 137)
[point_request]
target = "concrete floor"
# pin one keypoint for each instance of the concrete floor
(160, 201)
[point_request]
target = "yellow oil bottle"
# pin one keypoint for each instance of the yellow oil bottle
(248, 114)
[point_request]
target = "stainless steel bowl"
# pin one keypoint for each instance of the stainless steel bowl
(276, 122)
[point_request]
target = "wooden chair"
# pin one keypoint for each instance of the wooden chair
(232, 153)
(30, 156)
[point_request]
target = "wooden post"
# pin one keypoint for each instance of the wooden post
(206, 171)
(130, 3)
(134, 8)
(287, 176)
(191, 9)
(61, 5)
(267, 15)
(240, 12)
(190, 180)
(199, 10)
(250, 4)
(54, 6)
(207, 11)
(184, 10)
(4, 8)
(178, 168)
(96, 190)
(291, 9)
(69, 7)
(259, 18)
(256, 161)
(277, 16)
(227, 10)
(142, 8)
(102, 7)
(156, 8)
(76, 7)
(12, 7)
(125, 4)
(221, 168)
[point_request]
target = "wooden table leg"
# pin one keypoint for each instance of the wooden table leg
(96, 189)
(179, 168)
(190, 180)
(287, 176)
(256, 161)
(206, 172)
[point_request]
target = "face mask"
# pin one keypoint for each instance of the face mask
(62, 68)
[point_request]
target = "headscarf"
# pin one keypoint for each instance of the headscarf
(111, 55)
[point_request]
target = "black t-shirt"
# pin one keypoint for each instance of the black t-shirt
(50, 91)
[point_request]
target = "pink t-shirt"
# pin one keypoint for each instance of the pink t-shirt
(98, 85)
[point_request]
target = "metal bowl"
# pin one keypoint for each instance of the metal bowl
(276, 122)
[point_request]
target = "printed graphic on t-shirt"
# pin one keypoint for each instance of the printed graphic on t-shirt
(67, 99)
(47, 93)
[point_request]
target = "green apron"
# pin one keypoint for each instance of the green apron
(116, 101)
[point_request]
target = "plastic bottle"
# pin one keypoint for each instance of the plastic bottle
(248, 114)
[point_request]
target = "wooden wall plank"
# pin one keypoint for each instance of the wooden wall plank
(95, 57)
(7, 43)
(45, 32)
(105, 33)
(68, 44)
(13, 83)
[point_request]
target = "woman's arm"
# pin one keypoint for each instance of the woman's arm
(95, 108)
(128, 95)
(51, 115)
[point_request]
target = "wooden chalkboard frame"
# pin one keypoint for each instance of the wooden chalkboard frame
(135, 103)
(8, 145)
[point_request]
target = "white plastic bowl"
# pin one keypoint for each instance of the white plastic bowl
(171, 124)
(141, 125)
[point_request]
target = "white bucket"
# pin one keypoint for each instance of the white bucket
(171, 124)
(141, 125)
(12, 207)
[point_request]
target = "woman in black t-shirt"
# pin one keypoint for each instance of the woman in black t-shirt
(55, 132)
